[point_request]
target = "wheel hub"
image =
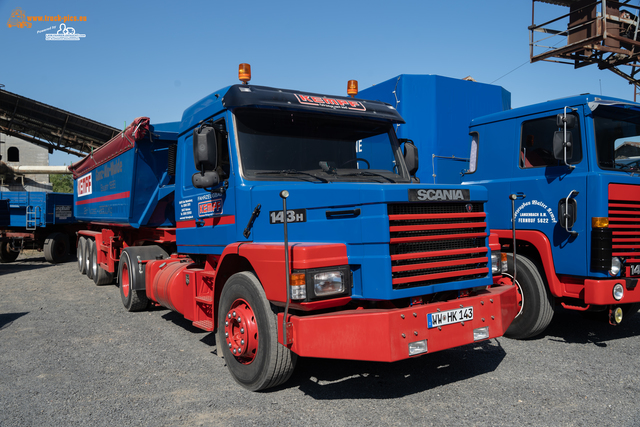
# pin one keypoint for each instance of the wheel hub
(241, 331)
(125, 280)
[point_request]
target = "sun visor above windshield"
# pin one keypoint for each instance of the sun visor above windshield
(613, 103)
(260, 96)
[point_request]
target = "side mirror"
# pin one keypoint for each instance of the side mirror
(205, 180)
(205, 155)
(569, 119)
(411, 156)
(559, 145)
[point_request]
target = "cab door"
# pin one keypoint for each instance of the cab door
(547, 183)
(205, 219)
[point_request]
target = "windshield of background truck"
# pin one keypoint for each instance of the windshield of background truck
(617, 132)
(292, 145)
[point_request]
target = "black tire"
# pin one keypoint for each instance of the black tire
(101, 276)
(261, 361)
(131, 299)
(536, 301)
(6, 254)
(80, 252)
(56, 247)
(91, 244)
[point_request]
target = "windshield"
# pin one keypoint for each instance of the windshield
(290, 145)
(618, 138)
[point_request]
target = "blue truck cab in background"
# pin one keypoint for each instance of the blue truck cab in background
(572, 168)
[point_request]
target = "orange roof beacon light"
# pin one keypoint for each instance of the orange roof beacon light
(352, 88)
(244, 73)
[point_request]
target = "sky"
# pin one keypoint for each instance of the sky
(155, 59)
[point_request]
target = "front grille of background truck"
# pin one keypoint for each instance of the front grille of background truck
(437, 242)
(624, 222)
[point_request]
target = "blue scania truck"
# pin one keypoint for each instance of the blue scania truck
(564, 174)
(290, 223)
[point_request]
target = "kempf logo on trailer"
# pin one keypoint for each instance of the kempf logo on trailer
(84, 185)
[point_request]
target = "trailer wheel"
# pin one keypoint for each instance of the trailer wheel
(91, 244)
(80, 253)
(534, 299)
(247, 335)
(6, 254)
(99, 275)
(131, 299)
(56, 247)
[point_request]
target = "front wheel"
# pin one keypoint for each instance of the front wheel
(534, 300)
(248, 335)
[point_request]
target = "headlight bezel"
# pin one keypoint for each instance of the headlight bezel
(310, 274)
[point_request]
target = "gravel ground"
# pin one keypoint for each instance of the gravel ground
(71, 355)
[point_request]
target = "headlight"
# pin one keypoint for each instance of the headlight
(328, 283)
(495, 263)
(618, 291)
(616, 316)
(321, 283)
(616, 266)
(417, 347)
(498, 263)
(481, 333)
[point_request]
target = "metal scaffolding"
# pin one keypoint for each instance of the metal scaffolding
(51, 127)
(602, 32)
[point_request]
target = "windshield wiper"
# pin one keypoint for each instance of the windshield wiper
(627, 167)
(367, 173)
(293, 172)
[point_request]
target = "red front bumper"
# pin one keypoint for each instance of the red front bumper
(600, 292)
(384, 335)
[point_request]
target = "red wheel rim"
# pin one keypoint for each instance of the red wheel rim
(125, 280)
(519, 298)
(241, 332)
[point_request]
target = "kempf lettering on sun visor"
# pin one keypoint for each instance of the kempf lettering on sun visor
(430, 194)
(319, 101)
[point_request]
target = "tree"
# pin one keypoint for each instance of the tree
(62, 183)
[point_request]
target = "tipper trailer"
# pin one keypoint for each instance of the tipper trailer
(564, 174)
(36, 220)
(259, 215)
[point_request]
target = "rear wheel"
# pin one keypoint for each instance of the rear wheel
(132, 300)
(56, 247)
(100, 275)
(91, 244)
(6, 254)
(535, 301)
(80, 253)
(247, 335)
